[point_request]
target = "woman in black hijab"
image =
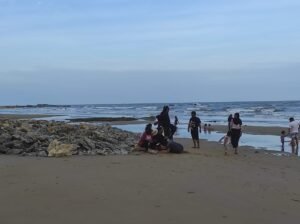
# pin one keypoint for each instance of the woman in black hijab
(164, 121)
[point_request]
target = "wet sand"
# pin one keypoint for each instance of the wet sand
(202, 186)
(254, 130)
(25, 116)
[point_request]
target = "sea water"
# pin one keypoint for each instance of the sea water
(252, 113)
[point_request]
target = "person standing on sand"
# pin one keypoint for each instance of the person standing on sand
(282, 140)
(195, 127)
(163, 120)
(293, 132)
(236, 131)
(227, 139)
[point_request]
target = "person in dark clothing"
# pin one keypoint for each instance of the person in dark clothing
(236, 131)
(195, 128)
(159, 142)
(163, 120)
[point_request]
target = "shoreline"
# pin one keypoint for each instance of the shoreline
(26, 116)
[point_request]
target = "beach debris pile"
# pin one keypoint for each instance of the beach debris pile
(56, 139)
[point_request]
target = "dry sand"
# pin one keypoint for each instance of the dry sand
(202, 186)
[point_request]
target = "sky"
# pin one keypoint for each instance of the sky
(133, 51)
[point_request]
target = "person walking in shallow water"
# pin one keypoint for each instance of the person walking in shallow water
(236, 131)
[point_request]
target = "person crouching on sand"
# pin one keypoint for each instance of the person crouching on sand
(159, 142)
(146, 138)
(226, 141)
(195, 127)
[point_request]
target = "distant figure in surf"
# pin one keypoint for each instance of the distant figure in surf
(205, 128)
(209, 128)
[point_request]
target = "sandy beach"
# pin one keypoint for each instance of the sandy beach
(201, 186)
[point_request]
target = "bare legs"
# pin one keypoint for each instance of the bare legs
(196, 143)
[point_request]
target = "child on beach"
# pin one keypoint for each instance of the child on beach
(195, 127)
(282, 139)
(226, 140)
(209, 128)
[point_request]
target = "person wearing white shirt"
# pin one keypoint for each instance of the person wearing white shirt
(294, 131)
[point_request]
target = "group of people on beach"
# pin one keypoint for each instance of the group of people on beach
(293, 134)
(160, 138)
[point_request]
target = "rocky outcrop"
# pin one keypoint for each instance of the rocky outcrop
(44, 138)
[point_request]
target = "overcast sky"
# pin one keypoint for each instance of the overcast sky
(125, 51)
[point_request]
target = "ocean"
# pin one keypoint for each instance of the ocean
(269, 113)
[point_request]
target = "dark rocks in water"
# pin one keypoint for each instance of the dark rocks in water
(34, 106)
(103, 119)
(150, 118)
(49, 138)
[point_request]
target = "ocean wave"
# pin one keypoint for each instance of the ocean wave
(123, 108)
(254, 110)
(203, 108)
(150, 108)
(240, 110)
(104, 108)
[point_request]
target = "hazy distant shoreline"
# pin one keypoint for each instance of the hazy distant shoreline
(32, 106)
